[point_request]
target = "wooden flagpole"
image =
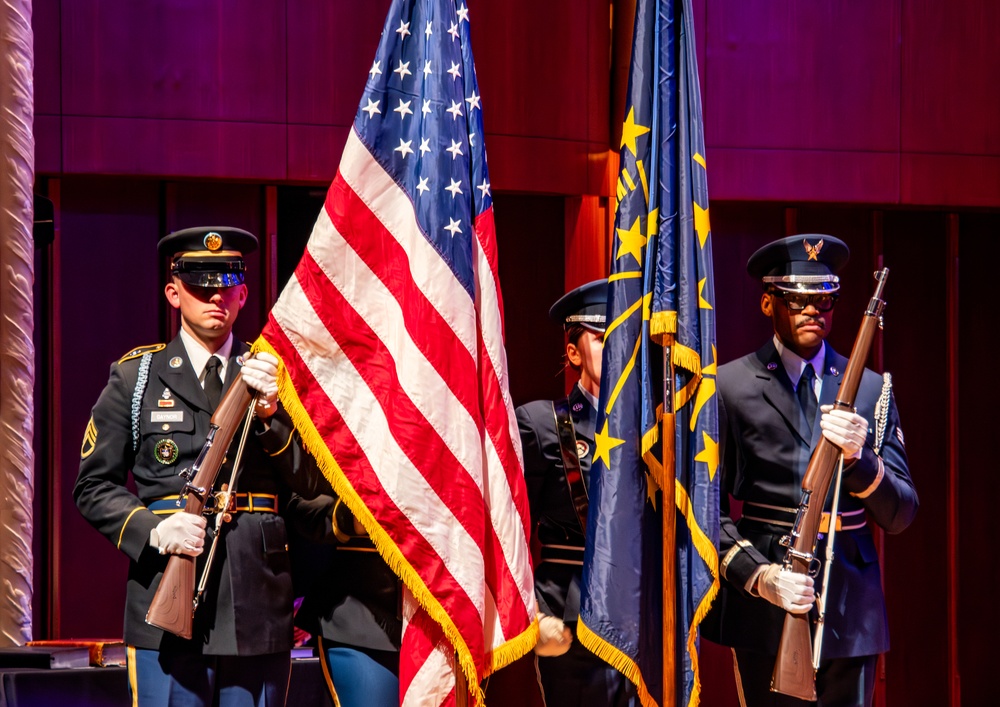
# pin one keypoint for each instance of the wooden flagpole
(669, 516)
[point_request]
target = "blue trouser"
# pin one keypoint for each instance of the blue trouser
(356, 679)
(159, 679)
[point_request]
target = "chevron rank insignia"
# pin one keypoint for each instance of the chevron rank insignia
(89, 439)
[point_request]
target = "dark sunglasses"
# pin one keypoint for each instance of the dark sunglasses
(796, 302)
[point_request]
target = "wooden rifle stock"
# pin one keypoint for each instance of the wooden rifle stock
(172, 608)
(794, 673)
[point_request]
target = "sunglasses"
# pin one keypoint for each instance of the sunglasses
(796, 302)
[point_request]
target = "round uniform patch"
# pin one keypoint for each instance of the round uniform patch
(582, 448)
(166, 451)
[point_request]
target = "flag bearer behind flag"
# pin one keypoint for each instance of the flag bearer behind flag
(558, 442)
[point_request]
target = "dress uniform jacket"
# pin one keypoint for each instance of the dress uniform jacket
(351, 597)
(247, 608)
(766, 446)
(557, 585)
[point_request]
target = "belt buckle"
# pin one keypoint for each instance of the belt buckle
(220, 502)
(824, 523)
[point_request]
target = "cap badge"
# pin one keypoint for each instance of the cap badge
(582, 448)
(813, 250)
(176, 362)
(772, 366)
(213, 241)
(166, 451)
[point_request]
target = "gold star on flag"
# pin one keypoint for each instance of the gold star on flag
(605, 443)
(651, 488)
(709, 455)
(702, 302)
(706, 389)
(631, 131)
(632, 241)
(701, 224)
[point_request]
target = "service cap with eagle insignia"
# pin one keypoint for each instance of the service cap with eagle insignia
(208, 256)
(806, 263)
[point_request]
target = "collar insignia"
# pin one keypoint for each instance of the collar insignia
(582, 448)
(176, 362)
(772, 366)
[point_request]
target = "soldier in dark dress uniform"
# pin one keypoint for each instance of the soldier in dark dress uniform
(352, 604)
(571, 675)
(768, 428)
(152, 420)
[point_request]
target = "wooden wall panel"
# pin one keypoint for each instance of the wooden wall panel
(915, 562)
(950, 73)
(193, 60)
(314, 152)
(331, 47)
(181, 148)
(109, 289)
(47, 54)
(803, 75)
(803, 175)
(977, 471)
(530, 246)
(47, 130)
(965, 180)
(535, 61)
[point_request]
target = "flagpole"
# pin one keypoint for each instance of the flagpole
(669, 516)
(461, 685)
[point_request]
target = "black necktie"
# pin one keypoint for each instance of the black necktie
(807, 394)
(213, 382)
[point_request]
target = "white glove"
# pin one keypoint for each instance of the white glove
(845, 429)
(179, 534)
(260, 373)
(553, 637)
(789, 590)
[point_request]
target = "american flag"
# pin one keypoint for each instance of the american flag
(391, 335)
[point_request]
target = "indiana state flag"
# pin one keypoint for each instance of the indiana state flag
(639, 612)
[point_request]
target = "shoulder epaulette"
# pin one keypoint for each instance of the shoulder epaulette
(135, 353)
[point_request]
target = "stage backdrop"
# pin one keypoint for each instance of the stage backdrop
(874, 120)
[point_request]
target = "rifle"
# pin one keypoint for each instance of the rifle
(795, 671)
(173, 605)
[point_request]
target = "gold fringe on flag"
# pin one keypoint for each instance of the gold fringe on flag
(313, 442)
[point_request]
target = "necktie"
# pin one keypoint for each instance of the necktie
(807, 393)
(213, 382)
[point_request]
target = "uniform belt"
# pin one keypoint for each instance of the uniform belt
(244, 503)
(785, 517)
(563, 554)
